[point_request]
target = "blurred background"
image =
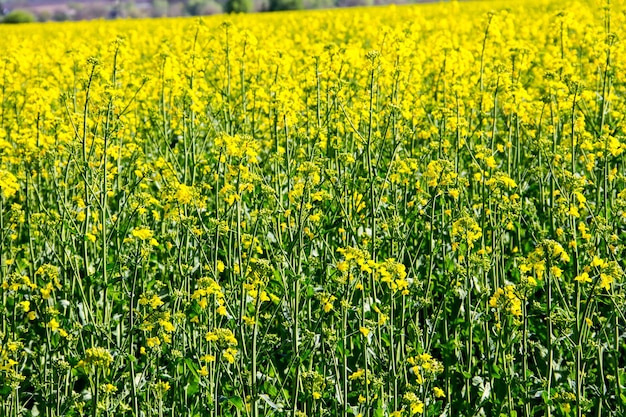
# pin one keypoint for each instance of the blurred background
(24, 11)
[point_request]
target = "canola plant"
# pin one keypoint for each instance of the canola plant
(388, 211)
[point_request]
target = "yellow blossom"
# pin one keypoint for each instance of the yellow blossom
(53, 324)
(143, 233)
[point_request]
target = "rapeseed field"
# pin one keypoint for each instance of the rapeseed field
(389, 211)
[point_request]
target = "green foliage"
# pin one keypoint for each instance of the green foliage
(202, 7)
(19, 16)
(160, 8)
(238, 6)
(354, 3)
(278, 5)
(318, 4)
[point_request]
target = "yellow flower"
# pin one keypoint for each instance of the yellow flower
(184, 194)
(229, 354)
(97, 356)
(8, 184)
(356, 374)
(583, 278)
(438, 392)
(167, 325)
(109, 388)
(597, 262)
(248, 320)
(153, 341)
(467, 229)
(417, 407)
(162, 386)
(415, 404)
(606, 281)
(155, 301)
(53, 325)
(46, 291)
(143, 233)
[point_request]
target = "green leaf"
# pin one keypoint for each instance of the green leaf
(310, 291)
(192, 367)
(385, 340)
(237, 402)
(193, 386)
(270, 389)
(5, 390)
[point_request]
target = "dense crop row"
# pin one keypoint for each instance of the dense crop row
(376, 212)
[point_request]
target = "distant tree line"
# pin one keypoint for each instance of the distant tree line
(24, 11)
